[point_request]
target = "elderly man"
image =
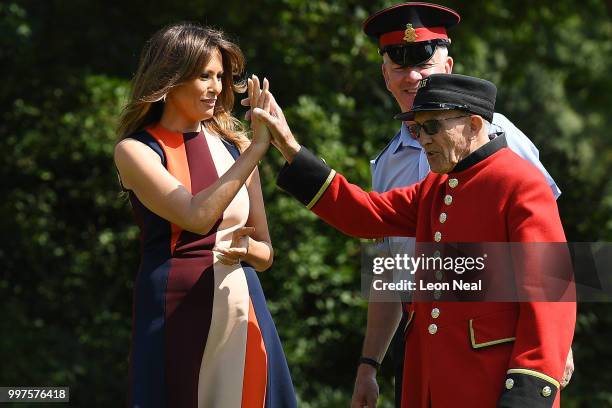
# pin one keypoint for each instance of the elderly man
(471, 354)
(413, 42)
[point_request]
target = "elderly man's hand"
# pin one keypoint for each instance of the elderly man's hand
(569, 369)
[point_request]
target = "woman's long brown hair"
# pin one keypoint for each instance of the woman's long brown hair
(176, 54)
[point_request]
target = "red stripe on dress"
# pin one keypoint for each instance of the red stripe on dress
(176, 162)
(256, 363)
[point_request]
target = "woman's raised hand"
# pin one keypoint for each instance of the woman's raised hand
(266, 115)
(259, 98)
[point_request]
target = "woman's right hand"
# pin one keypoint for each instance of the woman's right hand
(267, 116)
(259, 98)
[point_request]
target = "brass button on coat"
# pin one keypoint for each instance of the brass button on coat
(439, 275)
(509, 383)
(437, 236)
(546, 391)
(448, 200)
(435, 312)
(453, 182)
(442, 218)
(432, 329)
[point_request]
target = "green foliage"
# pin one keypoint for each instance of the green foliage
(69, 250)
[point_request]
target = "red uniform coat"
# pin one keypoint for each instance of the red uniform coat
(471, 354)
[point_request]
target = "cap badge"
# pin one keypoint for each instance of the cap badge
(410, 34)
(423, 83)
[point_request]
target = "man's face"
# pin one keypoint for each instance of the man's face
(403, 82)
(450, 144)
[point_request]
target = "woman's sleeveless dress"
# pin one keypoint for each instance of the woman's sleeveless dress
(202, 333)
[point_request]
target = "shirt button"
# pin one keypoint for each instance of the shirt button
(432, 329)
(435, 312)
(546, 391)
(448, 200)
(437, 236)
(453, 182)
(509, 383)
(439, 275)
(442, 218)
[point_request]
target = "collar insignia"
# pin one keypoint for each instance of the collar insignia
(423, 83)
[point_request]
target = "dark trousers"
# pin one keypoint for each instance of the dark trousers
(398, 345)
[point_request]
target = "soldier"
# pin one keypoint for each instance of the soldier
(462, 354)
(413, 42)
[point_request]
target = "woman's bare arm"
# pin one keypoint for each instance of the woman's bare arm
(142, 172)
(260, 253)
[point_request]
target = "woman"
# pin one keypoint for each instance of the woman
(202, 334)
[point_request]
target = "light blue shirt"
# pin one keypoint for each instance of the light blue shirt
(403, 162)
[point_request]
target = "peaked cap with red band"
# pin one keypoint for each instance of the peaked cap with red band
(408, 23)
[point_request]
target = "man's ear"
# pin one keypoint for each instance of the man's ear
(383, 67)
(448, 66)
(477, 123)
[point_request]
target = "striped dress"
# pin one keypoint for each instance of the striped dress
(202, 333)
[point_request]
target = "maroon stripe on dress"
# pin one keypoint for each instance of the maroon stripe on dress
(201, 164)
(203, 174)
(188, 318)
(190, 291)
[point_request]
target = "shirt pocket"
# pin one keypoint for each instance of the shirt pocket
(493, 328)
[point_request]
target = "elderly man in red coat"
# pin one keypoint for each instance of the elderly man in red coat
(468, 354)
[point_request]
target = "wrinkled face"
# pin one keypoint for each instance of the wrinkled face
(195, 99)
(403, 82)
(450, 144)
